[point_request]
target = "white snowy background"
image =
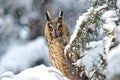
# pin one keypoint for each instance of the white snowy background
(24, 55)
(20, 47)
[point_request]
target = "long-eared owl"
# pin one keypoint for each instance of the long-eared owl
(57, 37)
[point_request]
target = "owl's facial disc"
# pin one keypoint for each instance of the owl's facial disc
(55, 30)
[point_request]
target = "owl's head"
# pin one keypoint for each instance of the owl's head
(55, 28)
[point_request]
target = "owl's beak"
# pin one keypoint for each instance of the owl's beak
(55, 34)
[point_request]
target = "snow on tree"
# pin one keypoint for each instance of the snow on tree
(95, 40)
(96, 34)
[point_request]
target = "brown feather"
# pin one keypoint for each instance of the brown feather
(56, 48)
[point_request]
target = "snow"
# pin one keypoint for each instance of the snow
(40, 72)
(81, 19)
(101, 7)
(118, 4)
(24, 33)
(8, 74)
(112, 31)
(91, 10)
(109, 27)
(7, 21)
(20, 57)
(92, 57)
(109, 14)
(113, 60)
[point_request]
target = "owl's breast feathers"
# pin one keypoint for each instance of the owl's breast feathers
(58, 60)
(56, 50)
(56, 47)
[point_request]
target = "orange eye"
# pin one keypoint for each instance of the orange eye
(60, 27)
(50, 28)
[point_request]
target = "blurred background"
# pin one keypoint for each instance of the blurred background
(22, 43)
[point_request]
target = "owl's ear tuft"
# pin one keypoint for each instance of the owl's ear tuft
(60, 16)
(48, 16)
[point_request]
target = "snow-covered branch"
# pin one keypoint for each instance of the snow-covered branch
(103, 20)
(110, 17)
(80, 36)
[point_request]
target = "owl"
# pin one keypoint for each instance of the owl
(57, 37)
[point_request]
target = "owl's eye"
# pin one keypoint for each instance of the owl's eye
(50, 28)
(59, 27)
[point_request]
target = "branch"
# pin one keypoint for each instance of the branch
(80, 35)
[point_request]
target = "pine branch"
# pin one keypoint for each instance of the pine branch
(81, 34)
